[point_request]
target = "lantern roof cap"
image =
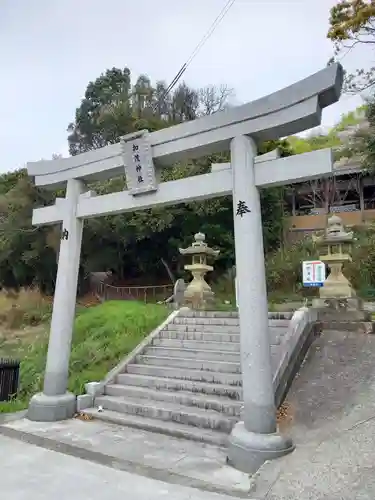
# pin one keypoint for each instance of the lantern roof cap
(335, 229)
(199, 247)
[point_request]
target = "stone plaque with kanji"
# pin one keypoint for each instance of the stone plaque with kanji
(138, 163)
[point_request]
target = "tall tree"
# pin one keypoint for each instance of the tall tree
(104, 113)
(26, 256)
(352, 25)
(113, 107)
(363, 143)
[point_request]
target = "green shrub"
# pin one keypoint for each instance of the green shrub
(284, 267)
(361, 271)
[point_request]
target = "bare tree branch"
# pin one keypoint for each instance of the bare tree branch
(213, 99)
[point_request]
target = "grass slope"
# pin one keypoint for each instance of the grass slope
(103, 335)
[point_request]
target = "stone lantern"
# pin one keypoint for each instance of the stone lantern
(339, 306)
(335, 250)
(198, 292)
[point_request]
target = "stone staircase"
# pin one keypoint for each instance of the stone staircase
(186, 380)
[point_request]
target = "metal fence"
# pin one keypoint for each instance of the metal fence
(9, 378)
(144, 293)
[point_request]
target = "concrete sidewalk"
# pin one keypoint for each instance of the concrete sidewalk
(332, 405)
(30, 472)
(342, 468)
(176, 461)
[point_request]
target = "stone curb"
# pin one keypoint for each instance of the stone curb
(10, 417)
(301, 333)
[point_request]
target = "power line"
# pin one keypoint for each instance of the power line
(210, 31)
(348, 50)
(197, 49)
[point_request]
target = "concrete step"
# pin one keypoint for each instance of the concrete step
(279, 315)
(229, 314)
(191, 364)
(160, 427)
(171, 384)
(197, 354)
(279, 323)
(229, 322)
(224, 329)
(200, 336)
(206, 321)
(234, 379)
(196, 344)
(193, 327)
(207, 402)
(161, 410)
(276, 334)
(208, 314)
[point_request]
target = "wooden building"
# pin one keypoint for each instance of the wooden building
(349, 193)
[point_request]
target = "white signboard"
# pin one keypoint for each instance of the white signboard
(138, 162)
(313, 273)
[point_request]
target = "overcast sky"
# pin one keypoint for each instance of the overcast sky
(51, 49)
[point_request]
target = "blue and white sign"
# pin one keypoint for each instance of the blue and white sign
(313, 273)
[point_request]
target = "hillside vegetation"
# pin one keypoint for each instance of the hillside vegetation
(330, 139)
(103, 335)
(284, 267)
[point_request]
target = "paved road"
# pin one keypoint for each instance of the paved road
(29, 472)
(332, 422)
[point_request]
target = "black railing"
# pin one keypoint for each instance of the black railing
(9, 377)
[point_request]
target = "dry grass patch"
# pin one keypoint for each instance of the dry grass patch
(285, 415)
(28, 307)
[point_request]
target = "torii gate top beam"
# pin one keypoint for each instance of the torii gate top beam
(288, 111)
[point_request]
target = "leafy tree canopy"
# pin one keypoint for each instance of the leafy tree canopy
(351, 25)
(332, 138)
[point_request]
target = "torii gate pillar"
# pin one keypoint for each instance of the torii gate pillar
(55, 403)
(255, 439)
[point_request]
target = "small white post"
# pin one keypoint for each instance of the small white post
(253, 440)
(55, 403)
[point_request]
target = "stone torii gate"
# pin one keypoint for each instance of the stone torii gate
(142, 155)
